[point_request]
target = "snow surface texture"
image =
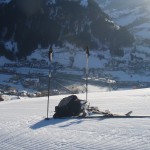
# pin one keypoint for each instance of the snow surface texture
(22, 125)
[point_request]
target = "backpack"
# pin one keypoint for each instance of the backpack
(70, 106)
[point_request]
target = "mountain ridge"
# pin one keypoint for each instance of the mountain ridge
(134, 15)
(56, 23)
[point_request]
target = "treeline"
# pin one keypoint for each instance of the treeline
(55, 23)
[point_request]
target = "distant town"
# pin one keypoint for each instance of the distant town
(29, 78)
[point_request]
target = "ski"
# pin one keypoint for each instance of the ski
(102, 114)
(104, 117)
(114, 117)
(95, 110)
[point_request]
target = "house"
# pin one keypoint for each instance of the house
(12, 91)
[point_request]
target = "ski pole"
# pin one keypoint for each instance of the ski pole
(87, 70)
(49, 76)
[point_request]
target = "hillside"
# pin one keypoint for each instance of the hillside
(25, 26)
(27, 31)
(134, 15)
(22, 125)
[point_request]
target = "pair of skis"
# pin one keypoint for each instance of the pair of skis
(94, 112)
(101, 116)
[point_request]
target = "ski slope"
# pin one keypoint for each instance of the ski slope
(22, 124)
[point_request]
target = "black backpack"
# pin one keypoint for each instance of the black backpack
(70, 106)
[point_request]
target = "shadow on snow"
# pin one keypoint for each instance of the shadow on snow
(51, 121)
(74, 121)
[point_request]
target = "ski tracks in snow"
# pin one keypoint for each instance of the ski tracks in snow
(75, 134)
(23, 128)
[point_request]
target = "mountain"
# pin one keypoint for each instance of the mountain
(26, 25)
(134, 15)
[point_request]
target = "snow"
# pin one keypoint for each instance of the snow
(126, 17)
(115, 25)
(92, 88)
(4, 60)
(84, 3)
(4, 78)
(10, 97)
(63, 56)
(123, 76)
(106, 3)
(145, 33)
(51, 2)
(143, 49)
(94, 61)
(134, 15)
(39, 54)
(11, 46)
(22, 125)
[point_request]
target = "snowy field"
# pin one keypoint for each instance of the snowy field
(22, 124)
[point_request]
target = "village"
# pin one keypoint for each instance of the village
(29, 78)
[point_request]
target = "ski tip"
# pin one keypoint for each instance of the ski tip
(129, 113)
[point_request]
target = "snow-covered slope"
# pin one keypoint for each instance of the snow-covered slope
(22, 125)
(135, 16)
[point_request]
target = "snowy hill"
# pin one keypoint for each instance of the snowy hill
(25, 25)
(22, 125)
(135, 16)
